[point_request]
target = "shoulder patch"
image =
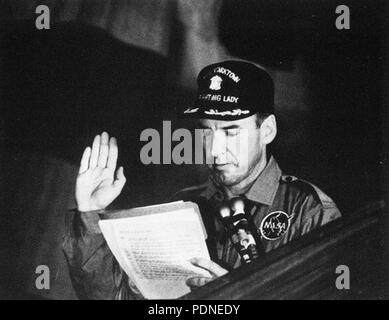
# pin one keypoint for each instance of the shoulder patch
(274, 225)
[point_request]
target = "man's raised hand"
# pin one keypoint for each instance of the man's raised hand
(97, 185)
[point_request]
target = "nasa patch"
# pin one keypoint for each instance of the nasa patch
(274, 225)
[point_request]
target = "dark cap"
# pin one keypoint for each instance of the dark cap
(232, 90)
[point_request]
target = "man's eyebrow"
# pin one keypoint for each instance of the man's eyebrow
(227, 127)
(201, 126)
(233, 126)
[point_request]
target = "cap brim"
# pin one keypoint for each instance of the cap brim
(217, 113)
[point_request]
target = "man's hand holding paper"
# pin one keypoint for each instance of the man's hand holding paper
(213, 268)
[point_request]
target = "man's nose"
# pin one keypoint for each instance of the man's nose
(219, 144)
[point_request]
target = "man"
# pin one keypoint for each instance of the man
(234, 98)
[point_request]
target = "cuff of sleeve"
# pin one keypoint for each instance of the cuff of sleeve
(90, 220)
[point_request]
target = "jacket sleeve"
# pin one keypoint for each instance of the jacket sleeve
(323, 212)
(94, 271)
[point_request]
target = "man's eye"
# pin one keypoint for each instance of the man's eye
(232, 132)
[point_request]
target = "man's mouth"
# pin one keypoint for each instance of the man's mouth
(222, 166)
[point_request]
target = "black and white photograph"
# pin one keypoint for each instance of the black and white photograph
(169, 150)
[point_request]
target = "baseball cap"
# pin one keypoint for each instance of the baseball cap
(232, 90)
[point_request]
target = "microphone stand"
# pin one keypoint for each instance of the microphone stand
(236, 224)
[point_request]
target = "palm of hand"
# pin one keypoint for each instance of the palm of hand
(96, 186)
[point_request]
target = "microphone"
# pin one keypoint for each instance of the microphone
(236, 223)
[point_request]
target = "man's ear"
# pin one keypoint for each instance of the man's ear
(268, 129)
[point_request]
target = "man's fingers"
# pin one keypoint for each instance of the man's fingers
(95, 152)
(120, 179)
(195, 282)
(112, 154)
(103, 152)
(84, 165)
(210, 266)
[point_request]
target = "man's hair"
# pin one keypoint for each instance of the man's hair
(261, 117)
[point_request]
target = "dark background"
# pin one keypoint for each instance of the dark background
(60, 87)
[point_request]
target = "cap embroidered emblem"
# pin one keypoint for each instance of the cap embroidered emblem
(215, 83)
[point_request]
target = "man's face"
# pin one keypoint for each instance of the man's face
(235, 148)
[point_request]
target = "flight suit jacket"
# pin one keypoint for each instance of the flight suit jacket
(280, 207)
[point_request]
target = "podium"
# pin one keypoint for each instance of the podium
(308, 268)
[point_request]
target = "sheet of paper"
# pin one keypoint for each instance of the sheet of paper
(165, 207)
(154, 250)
